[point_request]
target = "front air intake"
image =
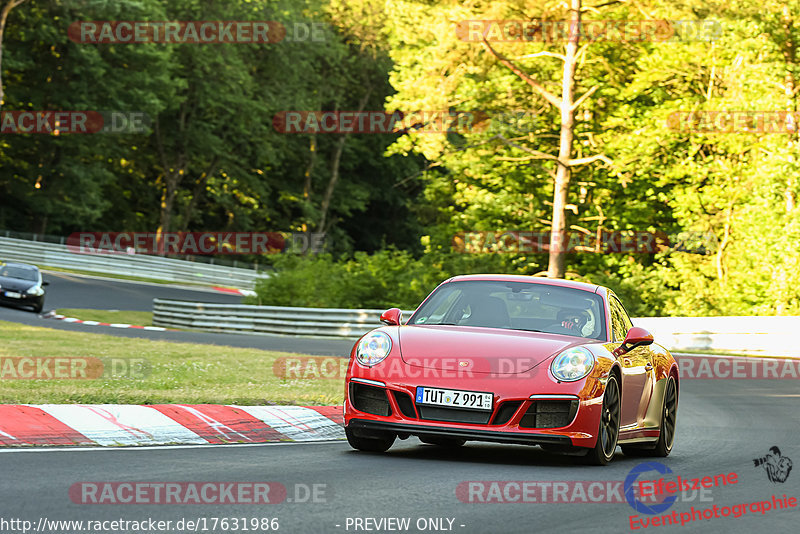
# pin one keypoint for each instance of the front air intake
(549, 414)
(505, 412)
(405, 403)
(369, 399)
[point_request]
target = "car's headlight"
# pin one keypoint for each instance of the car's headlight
(373, 348)
(572, 364)
(35, 291)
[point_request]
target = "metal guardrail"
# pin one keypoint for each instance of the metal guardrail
(772, 336)
(155, 267)
(764, 335)
(227, 261)
(247, 319)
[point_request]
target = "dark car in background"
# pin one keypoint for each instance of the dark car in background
(22, 285)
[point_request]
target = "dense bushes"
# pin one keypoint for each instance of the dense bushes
(385, 279)
(396, 278)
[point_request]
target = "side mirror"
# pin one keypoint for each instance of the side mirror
(636, 337)
(392, 317)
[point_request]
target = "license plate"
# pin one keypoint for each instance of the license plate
(475, 400)
(13, 295)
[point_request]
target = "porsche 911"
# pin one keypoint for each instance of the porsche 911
(514, 359)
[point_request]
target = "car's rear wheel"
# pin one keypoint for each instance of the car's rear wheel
(372, 442)
(669, 417)
(450, 443)
(608, 432)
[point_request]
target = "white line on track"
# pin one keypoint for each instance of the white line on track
(167, 447)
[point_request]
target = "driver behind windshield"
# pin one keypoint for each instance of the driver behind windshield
(572, 320)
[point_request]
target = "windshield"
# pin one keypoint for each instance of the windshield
(515, 306)
(19, 272)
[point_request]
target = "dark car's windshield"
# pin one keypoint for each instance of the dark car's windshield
(515, 306)
(23, 273)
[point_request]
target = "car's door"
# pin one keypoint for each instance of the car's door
(637, 369)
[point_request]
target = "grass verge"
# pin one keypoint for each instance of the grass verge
(175, 372)
(120, 276)
(139, 318)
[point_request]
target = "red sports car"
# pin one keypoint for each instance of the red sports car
(514, 359)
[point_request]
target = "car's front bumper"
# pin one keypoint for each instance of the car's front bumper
(469, 434)
(519, 396)
(23, 300)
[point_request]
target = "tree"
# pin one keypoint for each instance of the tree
(61, 183)
(566, 105)
(4, 12)
(465, 68)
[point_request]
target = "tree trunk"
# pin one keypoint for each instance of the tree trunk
(11, 4)
(168, 193)
(558, 233)
(197, 193)
(326, 200)
(173, 176)
(337, 157)
(312, 149)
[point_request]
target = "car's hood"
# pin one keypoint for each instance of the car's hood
(15, 284)
(479, 350)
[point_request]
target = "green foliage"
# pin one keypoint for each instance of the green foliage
(216, 162)
(212, 159)
(388, 278)
(742, 188)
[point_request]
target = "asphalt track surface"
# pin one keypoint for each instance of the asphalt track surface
(74, 291)
(722, 426)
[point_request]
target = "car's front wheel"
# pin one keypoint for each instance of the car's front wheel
(669, 417)
(377, 442)
(608, 433)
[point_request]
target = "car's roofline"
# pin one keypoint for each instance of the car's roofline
(13, 264)
(601, 291)
(560, 282)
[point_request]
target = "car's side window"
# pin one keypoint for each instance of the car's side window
(618, 316)
(626, 320)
